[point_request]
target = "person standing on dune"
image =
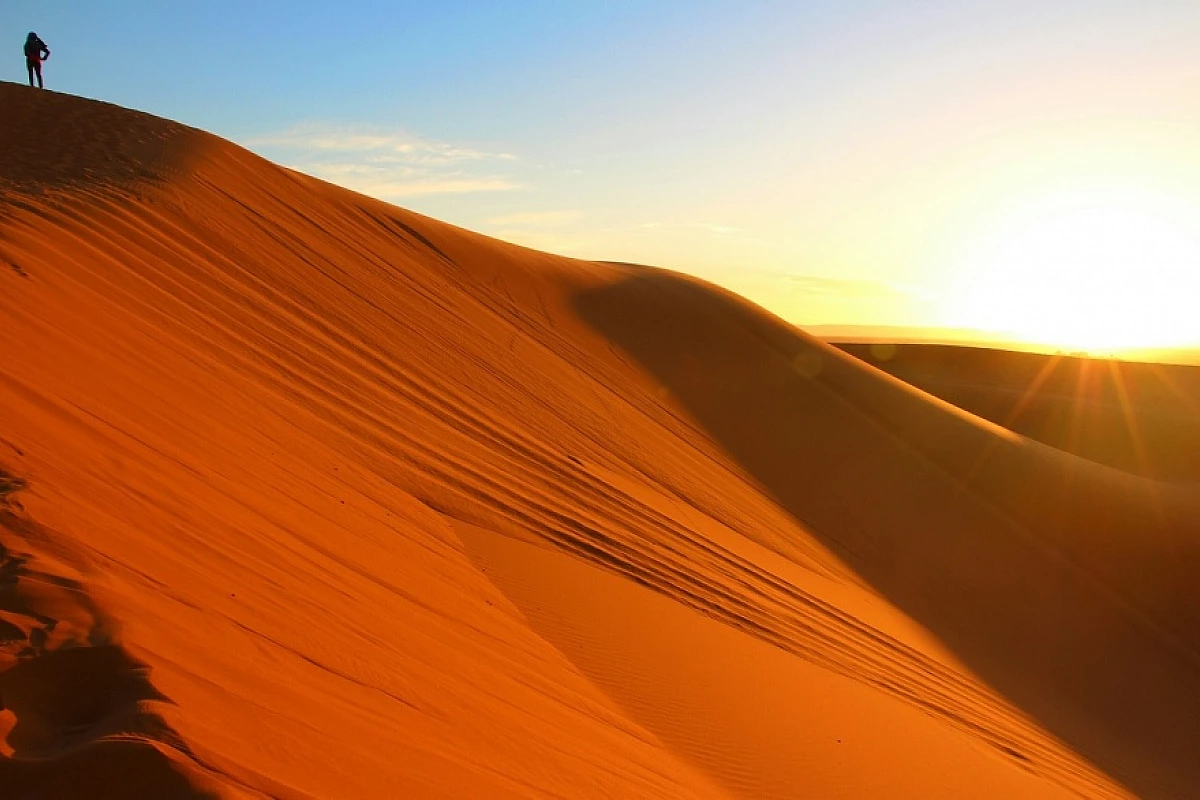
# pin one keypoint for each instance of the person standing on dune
(35, 53)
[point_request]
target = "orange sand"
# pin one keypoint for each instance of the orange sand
(310, 496)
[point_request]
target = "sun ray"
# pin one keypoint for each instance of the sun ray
(1010, 419)
(1168, 380)
(1076, 409)
(1031, 390)
(1131, 423)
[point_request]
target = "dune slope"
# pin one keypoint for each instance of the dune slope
(1142, 418)
(371, 506)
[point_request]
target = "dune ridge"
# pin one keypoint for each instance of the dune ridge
(389, 508)
(1138, 417)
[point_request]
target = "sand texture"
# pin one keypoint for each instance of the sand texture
(309, 496)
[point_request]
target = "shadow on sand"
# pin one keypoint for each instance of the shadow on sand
(983, 538)
(82, 719)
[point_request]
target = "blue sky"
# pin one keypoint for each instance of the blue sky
(835, 161)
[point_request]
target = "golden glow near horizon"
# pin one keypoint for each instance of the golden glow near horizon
(1023, 169)
(1097, 271)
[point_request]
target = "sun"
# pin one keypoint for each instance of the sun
(1097, 272)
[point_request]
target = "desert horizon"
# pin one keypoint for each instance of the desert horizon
(967, 338)
(303, 494)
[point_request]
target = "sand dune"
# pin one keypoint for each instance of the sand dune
(1142, 418)
(310, 496)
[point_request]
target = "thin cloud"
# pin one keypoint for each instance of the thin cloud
(416, 188)
(813, 284)
(537, 219)
(720, 234)
(720, 230)
(547, 241)
(323, 139)
(387, 165)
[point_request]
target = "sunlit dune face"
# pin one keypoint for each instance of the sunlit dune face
(1087, 274)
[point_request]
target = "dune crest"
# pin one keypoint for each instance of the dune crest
(1141, 418)
(388, 508)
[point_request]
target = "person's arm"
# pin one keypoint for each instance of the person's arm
(46, 51)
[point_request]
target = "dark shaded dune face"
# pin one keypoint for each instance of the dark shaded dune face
(1137, 417)
(85, 727)
(1058, 582)
(111, 770)
(69, 694)
(78, 712)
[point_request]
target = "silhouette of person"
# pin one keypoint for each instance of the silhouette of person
(35, 53)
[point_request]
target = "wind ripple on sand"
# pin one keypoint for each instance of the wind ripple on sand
(312, 444)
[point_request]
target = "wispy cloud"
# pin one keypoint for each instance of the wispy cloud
(394, 189)
(552, 230)
(385, 164)
(537, 219)
(564, 243)
(400, 145)
(720, 230)
(813, 284)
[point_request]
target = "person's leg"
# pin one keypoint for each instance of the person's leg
(29, 67)
(38, 68)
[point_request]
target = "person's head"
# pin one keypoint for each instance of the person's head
(32, 37)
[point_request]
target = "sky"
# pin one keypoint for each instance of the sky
(1026, 167)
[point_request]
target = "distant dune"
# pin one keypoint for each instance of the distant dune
(305, 495)
(867, 334)
(1143, 418)
(962, 337)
